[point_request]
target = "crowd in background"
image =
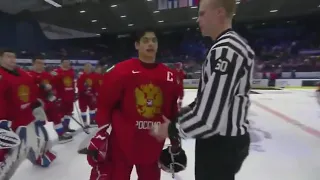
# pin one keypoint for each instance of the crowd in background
(280, 45)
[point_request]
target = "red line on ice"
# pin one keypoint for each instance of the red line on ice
(290, 120)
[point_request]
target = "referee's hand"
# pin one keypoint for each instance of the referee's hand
(161, 132)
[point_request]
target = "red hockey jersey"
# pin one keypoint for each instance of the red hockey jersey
(85, 83)
(17, 93)
(180, 75)
(65, 85)
(97, 82)
(133, 97)
(41, 79)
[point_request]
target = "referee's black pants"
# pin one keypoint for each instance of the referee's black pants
(220, 157)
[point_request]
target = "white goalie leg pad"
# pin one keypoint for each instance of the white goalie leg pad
(18, 154)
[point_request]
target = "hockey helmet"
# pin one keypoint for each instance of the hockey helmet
(172, 162)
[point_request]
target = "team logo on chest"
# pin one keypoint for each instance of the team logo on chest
(149, 100)
(88, 82)
(100, 82)
(23, 93)
(67, 81)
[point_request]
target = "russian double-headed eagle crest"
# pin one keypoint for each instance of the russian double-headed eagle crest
(89, 82)
(67, 81)
(24, 93)
(149, 100)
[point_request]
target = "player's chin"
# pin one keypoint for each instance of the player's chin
(151, 53)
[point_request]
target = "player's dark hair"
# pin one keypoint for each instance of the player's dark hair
(37, 57)
(2, 51)
(141, 33)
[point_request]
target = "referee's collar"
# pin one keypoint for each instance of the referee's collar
(223, 32)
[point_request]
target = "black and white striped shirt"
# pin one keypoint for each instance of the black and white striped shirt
(222, 102)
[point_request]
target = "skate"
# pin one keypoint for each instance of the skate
(68, 130)
(64, 138)
(83, 151)
(93, 123)
(86, 126)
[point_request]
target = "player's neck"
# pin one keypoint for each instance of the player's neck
(147, 59)
(7, 67)
(220, 30)
(37, 71)
(65, 69)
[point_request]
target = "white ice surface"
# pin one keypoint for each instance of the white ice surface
(279, 150)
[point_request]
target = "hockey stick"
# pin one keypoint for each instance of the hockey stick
(79, 117)
(78, 111)
(83, 128)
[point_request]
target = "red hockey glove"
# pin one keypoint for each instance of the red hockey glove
(98, 147)
(100, 172)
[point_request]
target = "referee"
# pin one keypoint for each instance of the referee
(217, 119)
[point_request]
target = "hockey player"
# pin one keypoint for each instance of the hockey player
(180, 76)
(87, 94)
(21, 112)
(98, 77)
(47, 94)
(142, 91)
(65, 86)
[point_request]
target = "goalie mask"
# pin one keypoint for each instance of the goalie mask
(8, 139)
(173, 162)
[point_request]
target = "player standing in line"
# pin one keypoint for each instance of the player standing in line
(64, 77)
(98, 77)
(47, 94)
(20, 112)
(142, 91)
(180, 75)
(86, 94)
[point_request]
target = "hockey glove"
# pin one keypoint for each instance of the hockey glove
(98, 147)
(101, 172)
(39, 113)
